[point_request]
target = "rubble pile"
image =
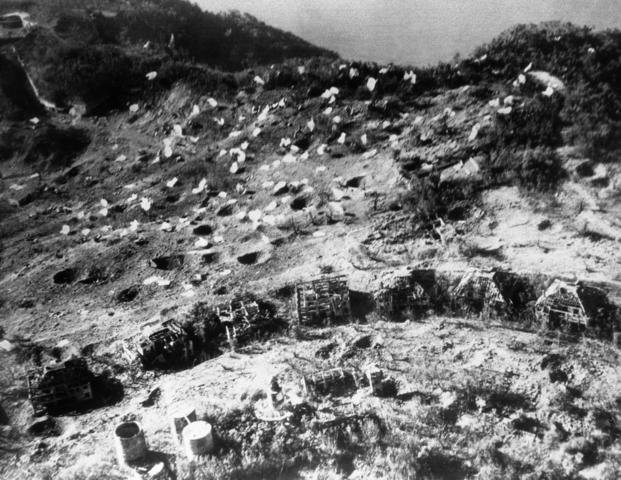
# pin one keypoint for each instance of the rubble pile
(59, 387)
(178, 344)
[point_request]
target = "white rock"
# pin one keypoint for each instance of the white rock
(369, 154)
(162, 282)
(65, 230)
(172, 182)
(133, 108)
(263, 115)
(330, 92)
(548, 92)
(371, 83)
(258, 80)
(279, 187)
(311, 125)
(364, 139)
(321, 149)
(495, 103)
(151, 76)
(201, 186)
(255, 215)
(337, 119)
(328, 111)
(342, 138)
(474, 132)
(238, 154)
(548, 80)
(213, 103)
(121, 158)
(256, 132)
(505, 111)
(234, 168)
(168, 148)
(410, 76)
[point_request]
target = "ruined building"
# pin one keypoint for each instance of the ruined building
(575, 305)
(170, 345)
(336, 381)
(175, 344)
(322, 301)
(59, 386)
(480, 291)
(246, 319)
(402, 292)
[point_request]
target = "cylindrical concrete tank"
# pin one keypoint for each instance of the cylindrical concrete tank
(180, 416)
(197, 439)
(129, 442)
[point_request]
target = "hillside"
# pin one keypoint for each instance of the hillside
(171, 179)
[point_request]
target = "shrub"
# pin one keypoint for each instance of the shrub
(533, 169)
(537, 123)
(588, 62)
(540, 169)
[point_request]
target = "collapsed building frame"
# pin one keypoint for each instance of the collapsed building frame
(59, 386)
(176, 344)
(574, 305)
(323, 301)
(404, 292)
